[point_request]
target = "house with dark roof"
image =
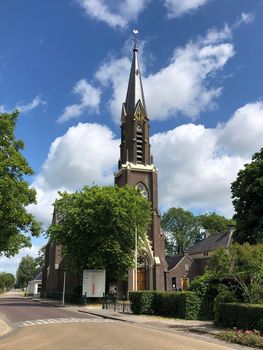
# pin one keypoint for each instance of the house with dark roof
(182, 269)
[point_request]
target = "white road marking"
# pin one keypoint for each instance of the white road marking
(61, 320)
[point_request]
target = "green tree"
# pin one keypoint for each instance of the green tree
(214, 223)
(181, 228)
(15, 194)
(96, 227)
(40, 259)
(27, 270)
(247, 195)
(244, 265)
(7, 281)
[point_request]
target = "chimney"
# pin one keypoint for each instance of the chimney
(230, 230)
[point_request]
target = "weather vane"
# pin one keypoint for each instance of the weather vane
(135, 39)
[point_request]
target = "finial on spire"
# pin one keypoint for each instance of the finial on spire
(135, 39)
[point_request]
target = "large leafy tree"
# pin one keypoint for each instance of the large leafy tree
(7, 281)
(214, 223)
(244, 265)
(247, 194)
(15, 194)
(27, 270)
(181, 228)
(96, 227)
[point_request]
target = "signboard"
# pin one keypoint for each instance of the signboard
(93, 283)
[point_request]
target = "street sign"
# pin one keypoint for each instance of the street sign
(93, 283)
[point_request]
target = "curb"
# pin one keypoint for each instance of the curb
(106, 316)
(200, 330)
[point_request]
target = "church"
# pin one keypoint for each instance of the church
(153, 270)
(135, 168)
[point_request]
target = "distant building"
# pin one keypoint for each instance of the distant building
(34, 286)
(182, 269)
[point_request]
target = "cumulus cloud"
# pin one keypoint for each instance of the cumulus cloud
(116, 13)
(25, 108)
(242, 134)
(87, 154)
(201, 163)
(186, 85)
(178, 8)
(89, 101)
(196, 164)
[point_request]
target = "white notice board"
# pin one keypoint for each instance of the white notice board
(93, 283)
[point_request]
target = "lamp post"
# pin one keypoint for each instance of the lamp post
(64, 270)
(136, 258)
(64, 287)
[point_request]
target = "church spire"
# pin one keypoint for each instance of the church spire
(135, 89)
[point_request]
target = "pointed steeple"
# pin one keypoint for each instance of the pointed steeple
(135, 89)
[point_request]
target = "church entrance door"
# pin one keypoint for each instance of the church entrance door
(141, 280)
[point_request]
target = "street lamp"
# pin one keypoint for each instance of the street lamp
(136, 258)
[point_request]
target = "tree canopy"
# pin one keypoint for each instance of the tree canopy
(96, 227)
(181, 228)
(247, 195)
(214, 223)
(27, 270)
(15, 193)
(7, 281)
(243, 264)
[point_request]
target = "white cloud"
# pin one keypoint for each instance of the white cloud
(242, 134)
(10, 265)
(245, 18)
(186, 85)
(116, 13)
(89, 100)
(86, 154)
(25, 108)
(196, 164)
(178, 8)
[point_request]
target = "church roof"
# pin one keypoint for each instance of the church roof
(135, 89)
(172, 261)
(221, 240)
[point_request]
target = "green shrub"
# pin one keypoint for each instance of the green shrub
(188, 305)
(184, 305)
(142, 302)
(224, 296)
(166, 304)
(205, 286)
(242, 316)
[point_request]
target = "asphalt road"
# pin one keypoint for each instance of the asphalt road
(16, 309)
(40, 327)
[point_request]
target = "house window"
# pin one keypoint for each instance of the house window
(205, 253)
(173, 283)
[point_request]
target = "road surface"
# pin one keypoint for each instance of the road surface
(51, 328)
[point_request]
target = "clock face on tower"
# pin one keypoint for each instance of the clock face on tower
(143, 190)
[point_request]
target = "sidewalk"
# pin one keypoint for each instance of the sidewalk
(205, 327)
(154, 321)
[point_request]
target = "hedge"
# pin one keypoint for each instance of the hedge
(242, 316)
(184, 305)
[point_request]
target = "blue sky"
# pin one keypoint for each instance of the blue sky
(65, 65)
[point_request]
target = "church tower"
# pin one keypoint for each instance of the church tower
(136, 168)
